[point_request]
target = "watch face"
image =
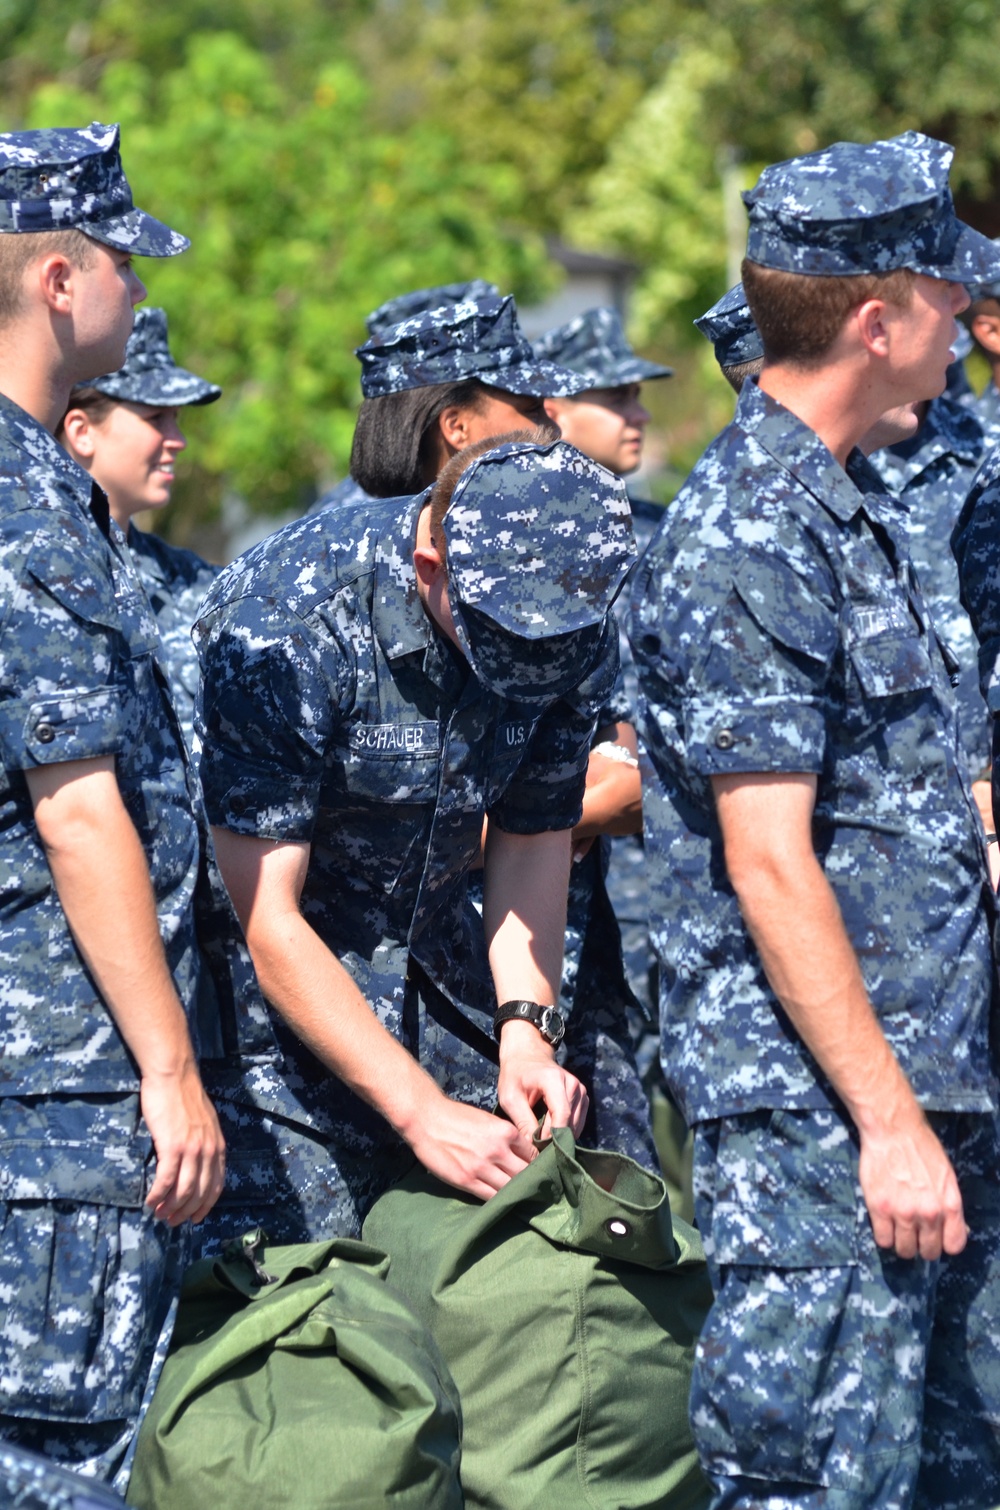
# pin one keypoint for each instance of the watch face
(551, 1026)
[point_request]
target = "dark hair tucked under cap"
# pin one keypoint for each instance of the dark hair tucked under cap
(538, 540)
(866, 208)
(594, 344)
(421, 299)
(149, 374)
(477, 338)
(60, 180)
(730, 327)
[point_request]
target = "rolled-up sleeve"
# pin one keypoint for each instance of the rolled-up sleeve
(271, 695)
(547, 790)
(759, 699)
(60, 646)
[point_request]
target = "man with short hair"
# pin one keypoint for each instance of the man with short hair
(109, 1143)
(821, 903)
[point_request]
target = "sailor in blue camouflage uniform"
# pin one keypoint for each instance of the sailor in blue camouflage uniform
(821, 907)
(403, 307)
(375, 684)
(108, 1141)
(123, 428)
(438, 381)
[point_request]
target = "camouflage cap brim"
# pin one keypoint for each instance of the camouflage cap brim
(164, 387)
(526, 670)
(975, 259)
(611, 374)
(135, 231)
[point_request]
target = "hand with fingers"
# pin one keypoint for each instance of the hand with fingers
(529, 1075)
(470, 1149)
(911, 1190)
(190, 1149)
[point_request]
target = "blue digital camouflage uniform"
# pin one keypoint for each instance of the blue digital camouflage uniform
(809, 650)
(85, 1273)
(87, 1279)
(931, 475)
(175, 580)
(988, 412)
(778, 626)
(30, 1482)
(334, 713)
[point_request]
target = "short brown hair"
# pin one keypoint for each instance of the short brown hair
(800, 316)
(737, 373)
(19, 249)
(447, 480)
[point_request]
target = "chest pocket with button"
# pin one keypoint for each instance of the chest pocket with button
(381, 799)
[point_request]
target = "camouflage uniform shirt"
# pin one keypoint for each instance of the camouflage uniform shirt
(931, 475)
(78, 679)
(176, 582)
(335, 714)
(778, 626)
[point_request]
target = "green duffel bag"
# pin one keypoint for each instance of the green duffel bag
(298, 1380)
(567, 1308)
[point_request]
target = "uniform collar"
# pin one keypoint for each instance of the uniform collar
(949, 428)
(138, 544)
(800, 451)
(401, 626)
(54, 464)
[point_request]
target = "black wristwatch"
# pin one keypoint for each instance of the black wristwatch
(547, 1020)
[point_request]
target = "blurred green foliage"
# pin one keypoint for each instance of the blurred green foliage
(326, 154)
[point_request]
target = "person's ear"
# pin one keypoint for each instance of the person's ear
(553, 408)
(872, 322)
(428, 564)
(986, 330)
(53, 277)
(79, 434)
(455, 427)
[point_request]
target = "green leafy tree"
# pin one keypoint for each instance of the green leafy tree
(301, 219)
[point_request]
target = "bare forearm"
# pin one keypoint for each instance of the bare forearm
(524, 912)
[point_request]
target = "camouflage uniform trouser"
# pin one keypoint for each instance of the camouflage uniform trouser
(88, 1280)
(830, 1372)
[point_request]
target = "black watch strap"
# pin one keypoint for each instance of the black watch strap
(548, 1020)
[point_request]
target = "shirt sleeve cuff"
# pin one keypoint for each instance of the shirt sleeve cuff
(767, 735)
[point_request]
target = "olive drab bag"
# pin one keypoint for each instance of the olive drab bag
(298, 1380)
(567, 1308)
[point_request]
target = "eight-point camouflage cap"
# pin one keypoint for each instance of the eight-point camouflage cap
(477, 338)
(421, 299)
(595, 346)
(62, 179)
(866, 208)
(730, 327)
(149, 374)
(990, 289)
(538, 541)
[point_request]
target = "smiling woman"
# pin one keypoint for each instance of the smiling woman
(123, 429)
